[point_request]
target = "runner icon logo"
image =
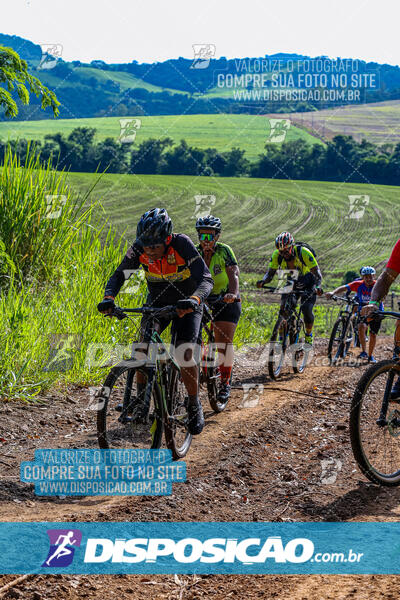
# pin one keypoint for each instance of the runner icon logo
(202, 55)
(204, 204)
(63, 543)
(358, 203)
(278, 130)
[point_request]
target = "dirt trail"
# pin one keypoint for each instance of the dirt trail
(263, 462)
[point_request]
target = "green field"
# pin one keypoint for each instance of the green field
(254, 211)
(378, 122)
(124, 80)
(222, 131)
(57, 266)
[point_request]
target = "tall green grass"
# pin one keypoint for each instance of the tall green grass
(40, 217)
(53, 273)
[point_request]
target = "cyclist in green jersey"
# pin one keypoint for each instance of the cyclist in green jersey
(224, 269)
(296, 257)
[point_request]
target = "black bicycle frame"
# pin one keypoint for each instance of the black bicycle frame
(153, 365)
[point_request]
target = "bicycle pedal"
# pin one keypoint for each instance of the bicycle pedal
(124, 419)
(120, 408)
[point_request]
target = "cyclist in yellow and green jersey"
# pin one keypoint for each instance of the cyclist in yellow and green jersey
(224, 270)
(289, 256)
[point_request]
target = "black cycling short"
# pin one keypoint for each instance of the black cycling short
(183, 330)
(227, 312)
(306, 307)
(374, 325)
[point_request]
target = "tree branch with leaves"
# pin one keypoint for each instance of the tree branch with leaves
(14, 73)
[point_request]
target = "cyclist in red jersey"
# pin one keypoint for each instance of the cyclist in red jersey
(379, 291)
(363, 288)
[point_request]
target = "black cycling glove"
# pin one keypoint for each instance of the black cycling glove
(187, 303)
(106, 305)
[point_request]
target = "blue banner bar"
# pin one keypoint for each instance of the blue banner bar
(212, 548)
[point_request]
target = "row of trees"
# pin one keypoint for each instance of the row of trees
(79, 152)
(342, 159)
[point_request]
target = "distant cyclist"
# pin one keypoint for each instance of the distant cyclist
(379, 292)
(224, 269)
(297, 257)
(363, 288)
(175, 274)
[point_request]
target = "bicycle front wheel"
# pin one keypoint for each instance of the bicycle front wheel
(116, 403)
(336, 344)
(177, 436)
(278, 346)
(375, 424)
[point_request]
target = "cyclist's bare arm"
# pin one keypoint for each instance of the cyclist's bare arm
(317, 274)
(383, 283)
(233, 276)
(338, 290)
(269, 275)
(380, 289)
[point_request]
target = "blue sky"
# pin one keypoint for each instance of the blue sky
(149, 30)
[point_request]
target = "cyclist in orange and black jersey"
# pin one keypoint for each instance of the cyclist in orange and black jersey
(175, 274)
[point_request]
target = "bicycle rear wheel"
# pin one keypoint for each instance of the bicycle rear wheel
(336, 344)
(375, 425)
(116, 429)
(299, 353)
(211, 375)
(278, 346)
(177, 436)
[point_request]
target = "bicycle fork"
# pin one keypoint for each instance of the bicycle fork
(382, 421)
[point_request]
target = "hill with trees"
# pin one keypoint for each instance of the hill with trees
(173, 86)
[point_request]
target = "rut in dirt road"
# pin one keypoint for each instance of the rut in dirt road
(261, 463)
(286, 458)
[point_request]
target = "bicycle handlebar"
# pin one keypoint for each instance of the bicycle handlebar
(214, 300)
(348, 300)
(384, 313)
(119, 312)
(298, 292)
(165, 311)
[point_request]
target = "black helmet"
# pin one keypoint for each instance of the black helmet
(154, 227)
(209, 222)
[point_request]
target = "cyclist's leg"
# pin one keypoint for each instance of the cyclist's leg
(397, 340)
(225, 322)
(374, 327)
(362, 332)
(395, 393)
(308, 314)
(185, 335)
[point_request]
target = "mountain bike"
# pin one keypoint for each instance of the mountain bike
(209, 372)
(375, 420)
(118, 403)
(344, 329)
(286, 334)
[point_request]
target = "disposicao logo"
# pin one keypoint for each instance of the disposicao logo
(190, 550)
(62, 547)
